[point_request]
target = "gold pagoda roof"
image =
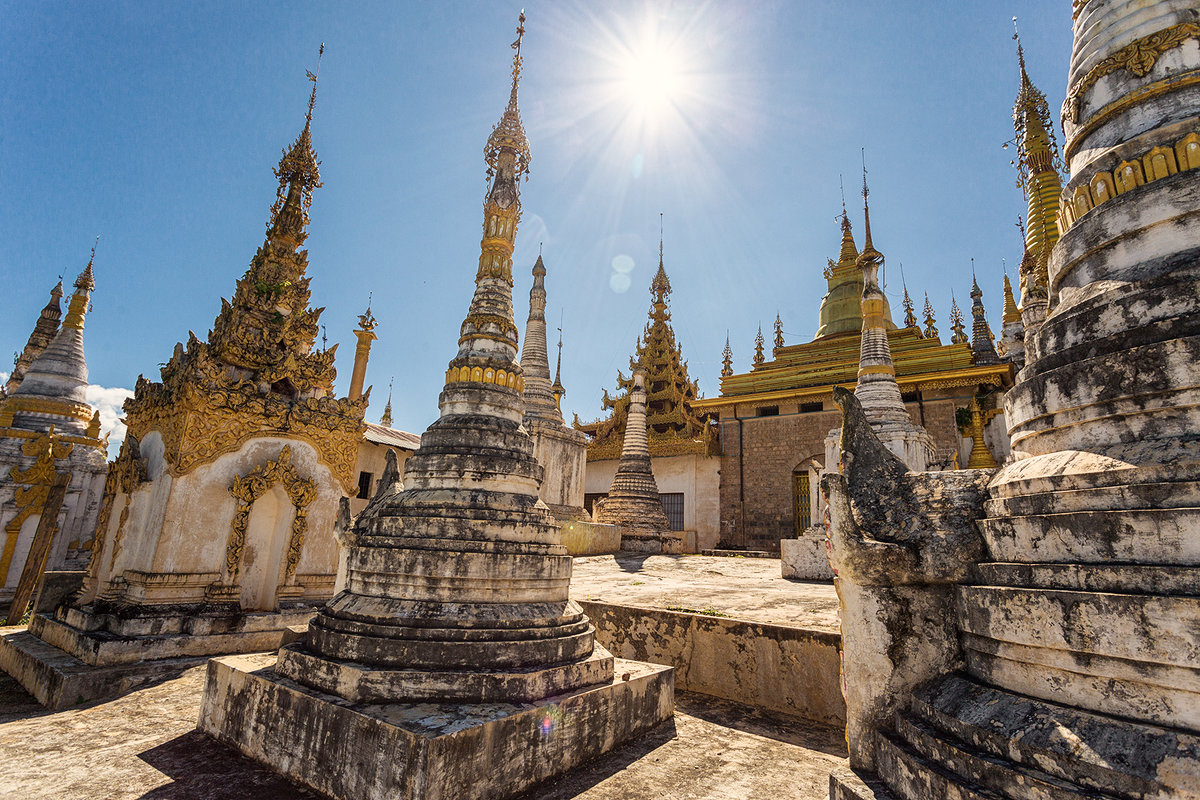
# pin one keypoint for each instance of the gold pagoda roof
(816, 367)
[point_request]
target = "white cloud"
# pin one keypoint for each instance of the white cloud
(108, 402)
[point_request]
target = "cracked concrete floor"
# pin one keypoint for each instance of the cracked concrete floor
(750, 589)
(144, 745)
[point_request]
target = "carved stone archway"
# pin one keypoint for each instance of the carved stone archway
(247, 489)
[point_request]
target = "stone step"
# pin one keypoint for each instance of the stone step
(851, 784)
(1094, 751)
(1142, 536)
(910, 776)
(1116, 578)
(1006, 778)
(1150, 494)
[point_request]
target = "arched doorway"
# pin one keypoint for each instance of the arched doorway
(805, 479)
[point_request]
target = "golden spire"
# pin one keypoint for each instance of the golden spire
(386, 419)
(870, 260)
(959, 335)
(778, 333)
(509, 134)
(1037, 165)
(299, 174)
(931, 331)
(85, 284)
(365, 334)
(727, 358)
(758, 348)
(557, 388)
(910, 317)
(1011, 314)
(489, 322)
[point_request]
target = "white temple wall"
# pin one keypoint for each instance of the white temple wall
(180, 525)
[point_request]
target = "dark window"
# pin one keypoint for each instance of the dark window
(809, 408)
(364, 486)
(589, 500)
(910, 397)
(673, 505)
(768, 411)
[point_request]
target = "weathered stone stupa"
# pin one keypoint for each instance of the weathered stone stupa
(453, 665)
(633, 503)
(561, 450)
(48, 431)
(215, 532)
(1049, 644)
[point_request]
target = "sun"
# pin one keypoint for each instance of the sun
(653, 76)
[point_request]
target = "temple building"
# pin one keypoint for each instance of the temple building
(52, 458)
(683, 443)
(1030, 631)
(774, 419)
(216, 529)
(560, 450)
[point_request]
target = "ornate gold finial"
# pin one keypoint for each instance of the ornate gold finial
(959, 335)
(366, 320)
(727, 358)
(778, 332)
(660, 286)
(299, 174)
(85, 284)
(509, 134)
(867, 246)
(930, 331)
(910, 317)
(758, 348)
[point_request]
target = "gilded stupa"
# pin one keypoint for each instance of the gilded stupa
(49, 434)
(456, 594)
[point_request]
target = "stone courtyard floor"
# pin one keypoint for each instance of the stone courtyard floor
(743, 588)
(144, 745)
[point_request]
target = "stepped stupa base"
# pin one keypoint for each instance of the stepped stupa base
(426, 750)
(81, 655)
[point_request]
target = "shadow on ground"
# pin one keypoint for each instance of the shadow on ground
(202, 769)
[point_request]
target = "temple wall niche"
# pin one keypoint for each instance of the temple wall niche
(267, 533)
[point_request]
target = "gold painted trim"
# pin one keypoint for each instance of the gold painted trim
(1147, 92)
(511, 380)
(1161, 161)
(248, 489)
(46, 405)
(1139, 57)
(33, 487)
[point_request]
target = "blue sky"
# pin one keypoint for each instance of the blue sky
(156, 126)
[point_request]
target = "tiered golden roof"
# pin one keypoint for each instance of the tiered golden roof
(673, 427)
(258, 373)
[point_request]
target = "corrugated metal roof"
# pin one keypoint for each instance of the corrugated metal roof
(391, 437)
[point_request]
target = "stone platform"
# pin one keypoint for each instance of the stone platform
(749, 589)
(424, 751)
(143, 745)
(64, 664)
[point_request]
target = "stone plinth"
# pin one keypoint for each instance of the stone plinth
(428, 750)
(590, 538)
(806, 557)
(74, 656)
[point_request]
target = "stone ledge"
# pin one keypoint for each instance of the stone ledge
(424, 751)
(847, 784)
(793, 671)
(58, 680)
(361, 683)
